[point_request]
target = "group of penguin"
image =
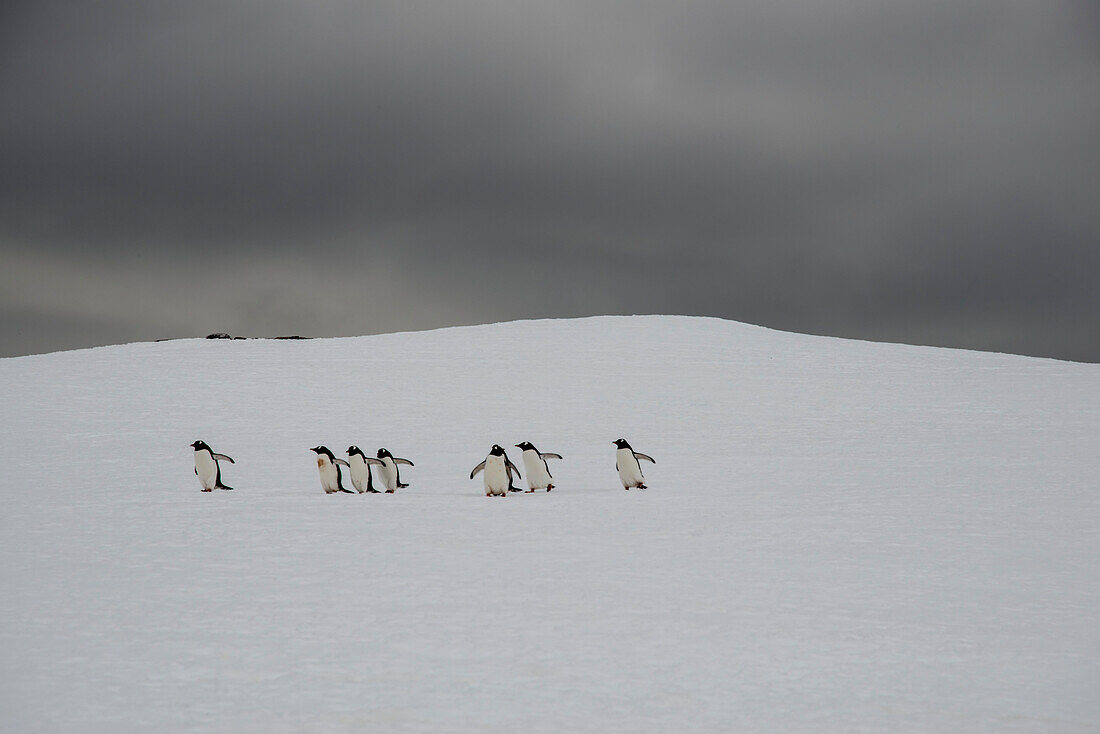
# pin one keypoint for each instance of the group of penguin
(359, 464)
(496, 469)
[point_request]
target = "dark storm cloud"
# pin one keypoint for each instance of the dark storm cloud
(906, 171)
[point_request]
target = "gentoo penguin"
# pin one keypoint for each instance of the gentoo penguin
(498, 472)
(328, 466)
(359, 468)
(538, 472)
(626, 461)
(206, 467)
(390, 472)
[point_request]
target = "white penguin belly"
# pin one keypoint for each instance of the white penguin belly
(537, 476)
(360, 473)
(206, 468)
(388, 472)
(630, 472)
(327, 471)
(496, 475)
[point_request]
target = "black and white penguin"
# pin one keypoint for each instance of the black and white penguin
(390, 472)
(498, 470)
(206, 467)
(626, 461)
(359, 467)
(328, 466)
(538, 472)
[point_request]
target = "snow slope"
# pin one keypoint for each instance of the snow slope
(838, 536)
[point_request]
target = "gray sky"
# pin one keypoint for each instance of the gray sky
(925, 172)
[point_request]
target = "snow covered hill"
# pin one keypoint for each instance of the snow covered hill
(838, 536)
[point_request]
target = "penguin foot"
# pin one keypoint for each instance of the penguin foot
(642, 486)
(549, 487)
(389, 491)
(204, 489)
(373, 491)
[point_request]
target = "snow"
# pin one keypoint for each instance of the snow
(838, 536)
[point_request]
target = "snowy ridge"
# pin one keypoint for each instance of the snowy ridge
(838, 535)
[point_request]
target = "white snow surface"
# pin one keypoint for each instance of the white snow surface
(838, 536)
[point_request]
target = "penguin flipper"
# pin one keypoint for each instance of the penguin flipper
(476, 469)
(512, 467)
(341, 461)
(196, 471)
(223, 456)
(403, 461)
(374, 461)
(549, 456)
(643, 456)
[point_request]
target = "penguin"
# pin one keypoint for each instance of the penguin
(626, 461)
(207, 468)
(498, 472)
(538, 471)
(390, 472)
(359, 467)
(328, 466)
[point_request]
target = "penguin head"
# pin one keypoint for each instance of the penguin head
(621, 443)
(496, 450)
(525, 445)
(353, 450)
(200, 445)
(321, 450)
(383, 453)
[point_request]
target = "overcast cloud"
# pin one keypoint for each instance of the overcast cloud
(925, 172)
